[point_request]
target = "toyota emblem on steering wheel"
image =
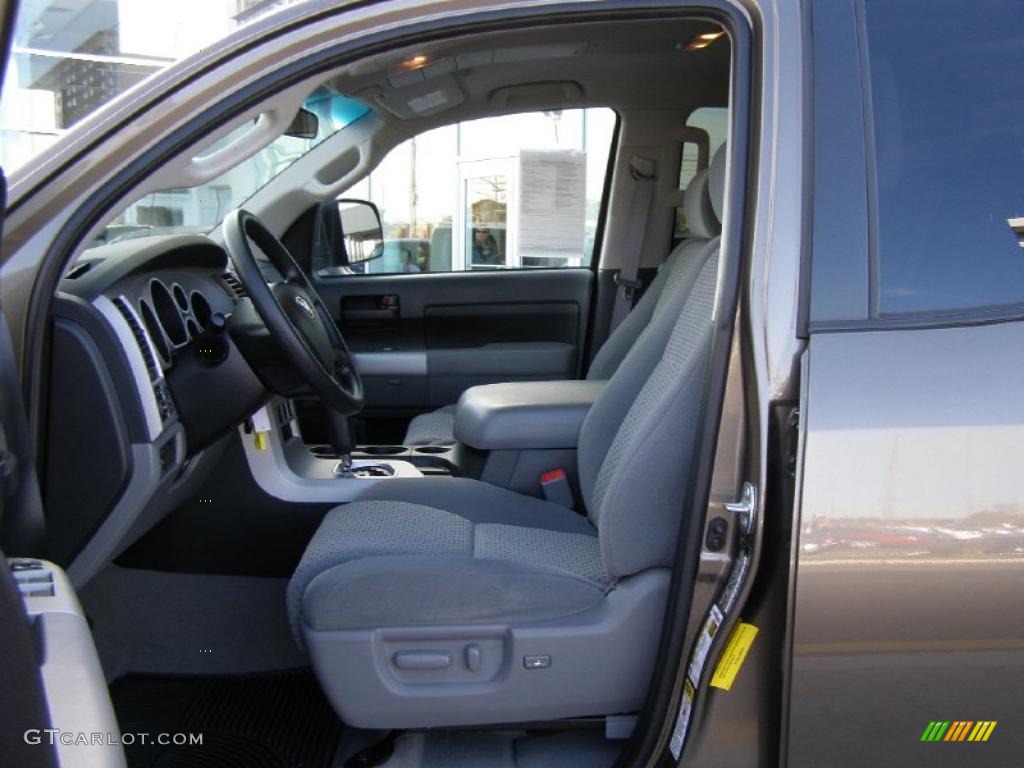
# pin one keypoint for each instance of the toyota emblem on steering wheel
(305, 306)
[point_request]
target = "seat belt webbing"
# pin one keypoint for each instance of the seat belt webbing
(644, 171)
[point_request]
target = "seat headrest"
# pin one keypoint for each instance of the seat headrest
(700, 218)
(716, 182)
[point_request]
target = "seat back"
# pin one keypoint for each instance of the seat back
(703, 225)
(638, 440)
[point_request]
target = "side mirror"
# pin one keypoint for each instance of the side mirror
(305, 125)
(362, 233)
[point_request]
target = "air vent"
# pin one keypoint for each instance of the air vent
(156, 377)
(233, 286)
(152, 367)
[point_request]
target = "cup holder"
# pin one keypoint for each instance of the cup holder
(381, 450)
(365, 470)
(432, 449)
(373, 470)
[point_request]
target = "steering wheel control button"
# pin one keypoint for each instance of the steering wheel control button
(537, 662)
(423, 660)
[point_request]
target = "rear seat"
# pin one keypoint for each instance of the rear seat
(438, 427)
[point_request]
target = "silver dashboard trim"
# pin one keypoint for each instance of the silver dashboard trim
(272, 472)
(136, 363)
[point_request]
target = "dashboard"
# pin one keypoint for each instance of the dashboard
(173, 314)
(138, 410)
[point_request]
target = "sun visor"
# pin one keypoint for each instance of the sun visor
(422, 99)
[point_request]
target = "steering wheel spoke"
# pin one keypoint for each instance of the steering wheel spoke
(294, 314)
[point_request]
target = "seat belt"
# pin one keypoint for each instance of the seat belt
(644, 171)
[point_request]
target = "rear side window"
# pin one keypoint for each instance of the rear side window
(948, 118)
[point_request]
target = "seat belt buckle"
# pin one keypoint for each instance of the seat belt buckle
(555, 486)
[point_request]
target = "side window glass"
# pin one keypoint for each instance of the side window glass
(705, 131)
(948, 154)
(513, 192)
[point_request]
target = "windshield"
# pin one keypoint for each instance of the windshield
(202, 208)
(68, 58)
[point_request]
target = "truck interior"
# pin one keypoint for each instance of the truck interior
(420, 508)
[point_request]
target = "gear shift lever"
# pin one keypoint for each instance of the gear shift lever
(340, 435)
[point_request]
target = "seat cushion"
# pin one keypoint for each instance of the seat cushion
(435, 428)
(383, 563)
(480, 502)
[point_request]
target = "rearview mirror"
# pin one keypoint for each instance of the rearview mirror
(305, 125)
(362, 233)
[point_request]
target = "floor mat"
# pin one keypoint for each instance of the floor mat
(155, 622)
(272, 720)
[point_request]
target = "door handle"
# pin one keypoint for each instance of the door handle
(370, 311)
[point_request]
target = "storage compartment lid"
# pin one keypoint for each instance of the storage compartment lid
(524, 415)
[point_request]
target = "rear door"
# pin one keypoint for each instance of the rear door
(908, 633)
(486, 270)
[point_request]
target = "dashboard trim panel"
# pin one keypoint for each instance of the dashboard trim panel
(136, 363)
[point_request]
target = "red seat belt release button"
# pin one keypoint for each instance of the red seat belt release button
(556, 488)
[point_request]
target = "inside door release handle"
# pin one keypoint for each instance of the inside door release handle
(370, 311)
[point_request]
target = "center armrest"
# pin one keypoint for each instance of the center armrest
(525, 414)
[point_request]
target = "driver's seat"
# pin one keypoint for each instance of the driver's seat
(439, 601)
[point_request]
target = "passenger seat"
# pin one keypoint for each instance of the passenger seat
(438, 427)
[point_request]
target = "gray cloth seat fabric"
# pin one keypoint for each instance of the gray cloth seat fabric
(395, 563)
(465, 521)
(438, 427)
(391, 586)
(434, 428)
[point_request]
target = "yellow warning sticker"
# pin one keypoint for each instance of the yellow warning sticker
(733, 656)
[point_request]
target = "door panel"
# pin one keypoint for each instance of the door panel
(422, 339)
(910, 557)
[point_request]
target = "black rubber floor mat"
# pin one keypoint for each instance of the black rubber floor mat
(276, 720)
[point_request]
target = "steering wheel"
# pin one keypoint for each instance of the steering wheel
(294, 314)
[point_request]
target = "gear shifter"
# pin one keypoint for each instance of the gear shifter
(340, 436)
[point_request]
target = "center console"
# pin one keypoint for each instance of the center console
(526, 415)
(430, 460)
(522, 430)
(507, 435)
